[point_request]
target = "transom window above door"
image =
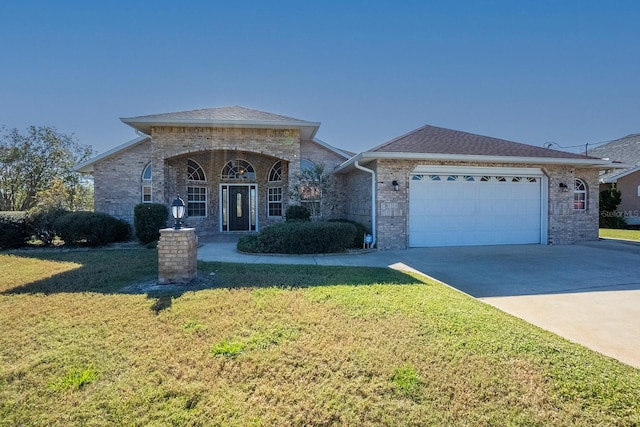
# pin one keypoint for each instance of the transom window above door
(238, 170)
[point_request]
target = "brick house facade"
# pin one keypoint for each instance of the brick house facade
(238, 170)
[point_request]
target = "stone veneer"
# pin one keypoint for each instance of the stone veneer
(177, 255)
(565, 225)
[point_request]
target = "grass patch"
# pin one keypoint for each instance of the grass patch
(282, 345)
(406, 380)
(611, 233)
(75, 379)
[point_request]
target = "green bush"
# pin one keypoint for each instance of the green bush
(609, 201)
(361, 230)
(297, 213)
(91, 229)
(44, 224)
(15, 230)
(300, 237)
(148, 219)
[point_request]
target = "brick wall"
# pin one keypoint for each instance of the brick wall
(177, 256)
(565, 224)
(117, 181)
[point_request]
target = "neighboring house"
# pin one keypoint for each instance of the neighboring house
(627, 181)
(238, 169)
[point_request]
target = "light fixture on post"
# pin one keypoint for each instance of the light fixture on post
(395, 185)
(564, 187)
(177, 211)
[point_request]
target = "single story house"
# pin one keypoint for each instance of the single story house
(238, 169)
(627, 180)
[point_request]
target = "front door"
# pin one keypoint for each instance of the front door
(238, 208)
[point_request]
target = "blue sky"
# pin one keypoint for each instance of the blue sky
(528, 71)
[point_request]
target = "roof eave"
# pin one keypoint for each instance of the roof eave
(87, 166)
(588, 163)
(308, 130)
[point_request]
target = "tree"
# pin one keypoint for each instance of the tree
(609, 201)
(35, 161)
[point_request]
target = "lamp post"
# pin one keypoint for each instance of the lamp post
(177, 211)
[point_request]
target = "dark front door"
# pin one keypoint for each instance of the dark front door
(238, 208)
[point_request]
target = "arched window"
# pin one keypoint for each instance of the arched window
(275, 174)
(580, 195)
(274, 193)
(238, 170)
(196, 194)
(195, 171)
(146, 185)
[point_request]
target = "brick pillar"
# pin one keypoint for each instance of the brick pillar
(177, 255)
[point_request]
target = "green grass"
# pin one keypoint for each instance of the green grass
(281, 345)
(610, 233)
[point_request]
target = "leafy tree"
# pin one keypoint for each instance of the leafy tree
(609, 201)
(34, 161)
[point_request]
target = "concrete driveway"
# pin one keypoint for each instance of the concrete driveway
(588, 293)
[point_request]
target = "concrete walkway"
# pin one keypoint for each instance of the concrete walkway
(588, 293)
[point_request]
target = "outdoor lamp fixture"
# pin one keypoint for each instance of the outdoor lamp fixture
(564, 187)
(395, 184)
(177, 211)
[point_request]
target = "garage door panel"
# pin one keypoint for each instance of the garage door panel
(474, 211)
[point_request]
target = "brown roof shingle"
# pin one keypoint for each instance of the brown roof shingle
(436, 140)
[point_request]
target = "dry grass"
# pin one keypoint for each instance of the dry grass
(282, 345)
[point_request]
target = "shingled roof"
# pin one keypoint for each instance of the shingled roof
(431, 143)
(235, 116)
(625, 149)
(436, 140)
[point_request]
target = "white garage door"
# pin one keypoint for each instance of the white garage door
(488, 206)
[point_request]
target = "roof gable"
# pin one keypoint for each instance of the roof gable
(436, 140)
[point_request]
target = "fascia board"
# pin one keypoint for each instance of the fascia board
(330, 147)
(87, 166)
(493, 159)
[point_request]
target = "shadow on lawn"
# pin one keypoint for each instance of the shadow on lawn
(135, 272)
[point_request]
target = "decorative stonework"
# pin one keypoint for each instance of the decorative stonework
(177, 255)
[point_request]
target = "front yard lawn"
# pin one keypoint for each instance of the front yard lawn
(281, 345)
(611, 233)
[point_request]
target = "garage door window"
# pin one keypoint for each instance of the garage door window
(580, 195)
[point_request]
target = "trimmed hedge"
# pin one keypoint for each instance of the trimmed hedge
(44, 224)
(91, 228)
(361, 230)
(300, 237)
(15, 231)
(297, 213)
(148, 219)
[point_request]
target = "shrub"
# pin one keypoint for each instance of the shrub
(44, 224)
(300, 237)
(297, 213)
(361, 230)
(91, 228)
(609, 201)
(15, 230)
(149, 218)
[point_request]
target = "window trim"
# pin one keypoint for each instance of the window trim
(271, 203)
(190, 203)
(146, 178)
(580, 189)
